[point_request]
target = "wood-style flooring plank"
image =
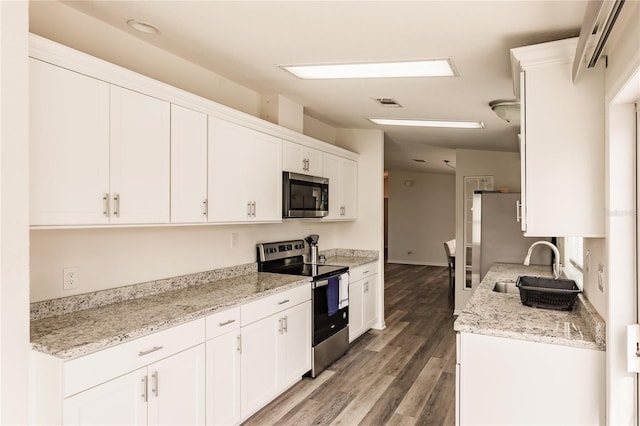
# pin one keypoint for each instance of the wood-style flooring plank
(402, 375)
(422, 388)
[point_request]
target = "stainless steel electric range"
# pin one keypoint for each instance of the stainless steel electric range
(330, 321)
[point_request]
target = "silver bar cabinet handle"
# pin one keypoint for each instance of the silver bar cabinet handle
(116, 205)
(105, 204)
(518, 207)
(282, 302)
(148, 351)
(154, 386)
(249, 209)
(205, 207)
(223, 323)
(239, 338)
(144, 389)
(286, 323)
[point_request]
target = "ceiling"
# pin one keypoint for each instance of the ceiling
(245, 41)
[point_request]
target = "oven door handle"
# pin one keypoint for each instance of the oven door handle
(321, 283)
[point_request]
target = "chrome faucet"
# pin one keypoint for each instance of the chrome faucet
(557, 267)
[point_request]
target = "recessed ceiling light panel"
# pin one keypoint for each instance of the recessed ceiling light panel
(425, 68)
(428, 123)
(143, 27)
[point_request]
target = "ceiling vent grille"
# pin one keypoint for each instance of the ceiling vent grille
(388, 102)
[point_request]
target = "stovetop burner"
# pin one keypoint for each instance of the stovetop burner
(286, 257)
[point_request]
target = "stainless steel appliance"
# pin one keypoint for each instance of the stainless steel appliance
(304, 196)
(330, 330)
(496, 234)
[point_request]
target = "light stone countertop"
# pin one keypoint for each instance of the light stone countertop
(504, 315)
(82, 332)
(350, 261)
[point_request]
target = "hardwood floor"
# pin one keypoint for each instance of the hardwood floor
(403, 375)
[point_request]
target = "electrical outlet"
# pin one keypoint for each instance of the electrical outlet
(70, 279)
(234, 240)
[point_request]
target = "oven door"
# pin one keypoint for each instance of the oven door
(325, 325)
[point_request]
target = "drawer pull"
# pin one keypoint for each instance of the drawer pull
(283, 302)
(365, 272)
(223, 323)
(148, 351)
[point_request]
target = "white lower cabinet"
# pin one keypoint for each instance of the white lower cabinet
(363, 299)
(276, 350)
(217, 370)
(168, 392)
(116, 402)
(515, 382)
(223, 368)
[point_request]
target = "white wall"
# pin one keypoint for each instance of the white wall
(421, 216)
(58, 22)
(367, 232)
(14, 213)
(619, 257)
(505, 169)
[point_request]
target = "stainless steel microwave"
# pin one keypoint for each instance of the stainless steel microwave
(304, 196)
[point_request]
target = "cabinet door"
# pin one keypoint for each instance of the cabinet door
(228, 174)
(295, 356)
(356, 309)
(264, 172)
(188, 165)
(343, 186)
(301, 159)
(260, 363)
(370, 299)
(176, 389)
(349, 188)
(139, 158)
(223, 379)
(331, 170)
(120, 401)
(69, 146)
(564, 151)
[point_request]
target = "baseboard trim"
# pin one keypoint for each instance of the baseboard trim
(411, 262)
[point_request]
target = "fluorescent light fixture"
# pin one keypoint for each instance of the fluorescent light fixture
(425, 68)
(428, 123)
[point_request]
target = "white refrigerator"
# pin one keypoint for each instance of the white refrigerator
(497, 236)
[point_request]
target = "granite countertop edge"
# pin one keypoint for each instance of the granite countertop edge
(137, 330)
(503, 315)
(50, 334)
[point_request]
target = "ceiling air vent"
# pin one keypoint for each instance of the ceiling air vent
(388, 102)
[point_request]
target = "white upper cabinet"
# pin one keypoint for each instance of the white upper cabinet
(69, 146)
(99, 153)
(301, 159)
(343, 186)
(139, 158)
(245, 174)
(112, 147)
(188, 165)
(562, 140)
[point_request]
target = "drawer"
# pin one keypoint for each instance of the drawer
(269, 305)
(223, 322)
(90, 370)
(363, 271)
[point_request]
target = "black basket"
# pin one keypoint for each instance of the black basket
(548, 293)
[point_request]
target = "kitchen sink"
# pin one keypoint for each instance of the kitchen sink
(506, 287)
